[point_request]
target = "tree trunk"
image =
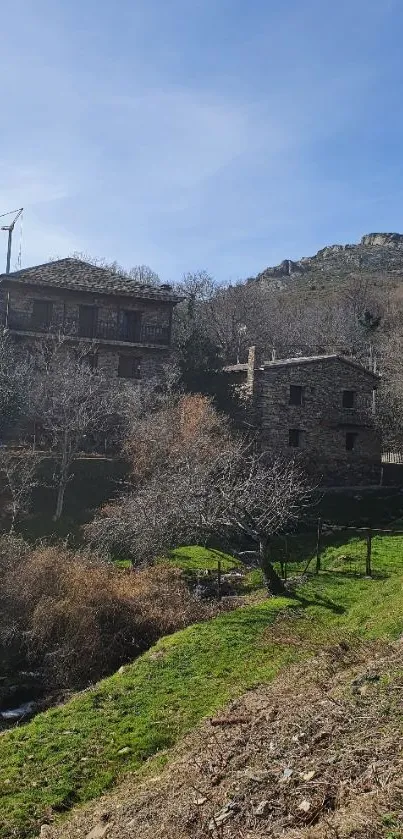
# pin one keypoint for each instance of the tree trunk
(60, 499)
(273, 581)
(13, 518)
(64, 477)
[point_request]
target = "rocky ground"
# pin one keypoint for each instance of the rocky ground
(318, 753)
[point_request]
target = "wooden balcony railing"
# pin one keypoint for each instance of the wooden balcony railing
(145, 333)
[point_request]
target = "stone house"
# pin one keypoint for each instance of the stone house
(319, 409)
(122, 327)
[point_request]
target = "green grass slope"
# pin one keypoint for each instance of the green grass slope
(197, 558)
(71, 754)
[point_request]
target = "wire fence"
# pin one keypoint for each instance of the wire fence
(356, 551)
(330, 549)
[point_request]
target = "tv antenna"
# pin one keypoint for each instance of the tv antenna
(10, 229)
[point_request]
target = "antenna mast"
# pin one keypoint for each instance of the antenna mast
(10, 229)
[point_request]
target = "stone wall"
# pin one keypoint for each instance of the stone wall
(321, 419)
(66, 305)
(150, 361)
(65, 312)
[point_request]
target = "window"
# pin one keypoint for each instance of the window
(294, 438)
(351, 438)
(296, 395)
(129, 367)
(41, 316)
(132, 326)
(87, 321)
(348, 398)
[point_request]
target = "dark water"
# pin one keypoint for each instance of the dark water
(20, 697)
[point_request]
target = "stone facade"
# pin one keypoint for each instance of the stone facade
(321, 411)
(117, 347)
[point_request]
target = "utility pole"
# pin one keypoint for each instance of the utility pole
(10, 229)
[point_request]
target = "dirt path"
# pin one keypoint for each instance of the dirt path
(318, 753)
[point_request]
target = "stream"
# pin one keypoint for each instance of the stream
(21, 696)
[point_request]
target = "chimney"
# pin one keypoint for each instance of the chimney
(252, 364)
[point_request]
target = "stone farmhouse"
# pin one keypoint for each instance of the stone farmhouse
(123, 327)
(319, 409)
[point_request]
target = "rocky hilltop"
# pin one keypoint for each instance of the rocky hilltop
(376, 253)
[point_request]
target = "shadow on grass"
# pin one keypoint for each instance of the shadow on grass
(318, 600)
(353, 575)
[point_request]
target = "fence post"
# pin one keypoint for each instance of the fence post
(219, 580)
(368, 569)
(318, 545)
(285, 558)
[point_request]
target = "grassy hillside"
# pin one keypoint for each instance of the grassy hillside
(197, 558)
(71, 754)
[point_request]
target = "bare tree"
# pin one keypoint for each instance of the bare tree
(200, 482)
(256, 499)
(144, 275)
(13, 385)
(138, 273)
(70, 402)
(19, 472)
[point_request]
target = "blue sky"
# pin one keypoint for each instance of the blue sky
(187, 134)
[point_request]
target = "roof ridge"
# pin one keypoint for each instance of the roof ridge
(319, 357)
(77, 274)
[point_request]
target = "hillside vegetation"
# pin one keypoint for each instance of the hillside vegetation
(316, 754)
(73, 753)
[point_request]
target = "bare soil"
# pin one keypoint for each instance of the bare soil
(318, 753)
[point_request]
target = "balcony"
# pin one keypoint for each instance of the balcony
(145, 333)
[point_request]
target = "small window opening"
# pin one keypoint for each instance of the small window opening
(348, 398)
(294, 438)
(296, 395)
(351, 438)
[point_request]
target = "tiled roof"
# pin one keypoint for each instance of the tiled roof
(77, 275)
(307, 359)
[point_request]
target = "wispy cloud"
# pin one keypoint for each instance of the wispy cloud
(216, 134)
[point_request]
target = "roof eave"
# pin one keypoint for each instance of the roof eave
(83, 289)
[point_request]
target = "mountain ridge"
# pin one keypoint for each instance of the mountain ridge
(376, 252)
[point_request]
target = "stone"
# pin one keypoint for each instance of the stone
(304, 806)
(308, 776)
(262, 808)
(223, 815)
(286, 775)
(99, 831)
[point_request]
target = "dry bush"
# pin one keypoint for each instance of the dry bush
(184, 428)
(173, 452)
(79, 618)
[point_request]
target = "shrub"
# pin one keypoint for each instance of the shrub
(78, 618)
